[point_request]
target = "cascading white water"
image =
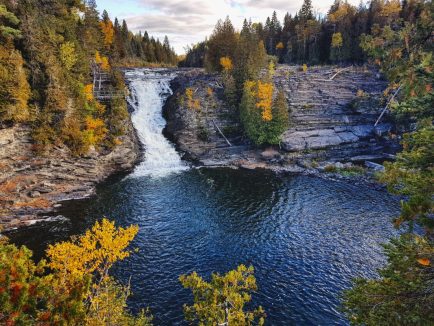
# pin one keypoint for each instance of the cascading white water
(149, 89)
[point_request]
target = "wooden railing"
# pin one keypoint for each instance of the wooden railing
(102, 90)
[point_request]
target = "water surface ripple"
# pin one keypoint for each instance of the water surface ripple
(306, 237)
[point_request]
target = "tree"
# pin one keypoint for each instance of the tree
(280, 121)
(337, 43)
(14, 88)
(107, 30)
(68, 55)
(222, 43)
(73, 287)
(306, 11)
(221, 301)
(264, 119)
(403, 293)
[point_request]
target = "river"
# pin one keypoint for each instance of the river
(306, 237)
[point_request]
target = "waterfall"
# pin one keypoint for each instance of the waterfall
(148, 91)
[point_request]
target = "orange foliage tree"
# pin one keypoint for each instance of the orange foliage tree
(108, 31)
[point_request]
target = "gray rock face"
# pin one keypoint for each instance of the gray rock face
(334, 118)
(330, 119)
(32, 185)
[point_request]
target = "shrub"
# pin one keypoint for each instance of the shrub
(73, 287)
(221, 301)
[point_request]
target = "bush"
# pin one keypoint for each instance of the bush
(73, 287)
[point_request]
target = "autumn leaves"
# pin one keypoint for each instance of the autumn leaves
(74, 287)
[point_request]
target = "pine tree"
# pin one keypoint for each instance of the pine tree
(222, 43)
(306, 11)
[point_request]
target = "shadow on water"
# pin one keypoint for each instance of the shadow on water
(307, 237)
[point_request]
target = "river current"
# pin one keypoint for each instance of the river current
(306, 237)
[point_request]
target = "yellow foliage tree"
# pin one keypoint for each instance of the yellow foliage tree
(68, 55)
(105, 65)
(343, 10)
(14, 88)
(192, 103)
(88, 92)
(102, 61)
(94, 252)
(226, 63)
(95, 130)
(265, 100)
(337, 40)
(98, 58)
(391, 8)
(73, 287)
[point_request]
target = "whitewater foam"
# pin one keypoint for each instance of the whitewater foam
(148, 91)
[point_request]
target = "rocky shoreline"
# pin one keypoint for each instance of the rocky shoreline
(33, 187)
(331, 136)
(332, 123)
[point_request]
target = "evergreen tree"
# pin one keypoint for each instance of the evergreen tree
(222, 43)
(306, 11)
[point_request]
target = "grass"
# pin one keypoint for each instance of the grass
(347, 171)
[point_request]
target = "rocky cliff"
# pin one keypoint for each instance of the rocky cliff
(32, 186)
(332, 119)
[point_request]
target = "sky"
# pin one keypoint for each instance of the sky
(187, 22)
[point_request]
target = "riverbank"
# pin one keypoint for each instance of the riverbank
(332, 122)
(334, 127)
(33, 186)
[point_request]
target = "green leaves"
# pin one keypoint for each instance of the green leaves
(221, 301)
(401, 296)
(263, 126)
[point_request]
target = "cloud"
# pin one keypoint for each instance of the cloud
(187, 22)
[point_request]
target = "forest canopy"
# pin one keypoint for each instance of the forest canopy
(47, 49)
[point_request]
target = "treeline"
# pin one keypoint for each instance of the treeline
(404, 292)
(128, 48)
(46, 52)
(311, 38)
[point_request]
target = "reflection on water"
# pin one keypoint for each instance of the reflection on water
(306, 237)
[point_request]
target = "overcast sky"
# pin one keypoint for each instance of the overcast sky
(190, 21)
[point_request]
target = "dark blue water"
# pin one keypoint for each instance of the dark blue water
(306, 237)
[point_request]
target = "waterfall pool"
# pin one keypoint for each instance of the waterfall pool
(306, 237)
